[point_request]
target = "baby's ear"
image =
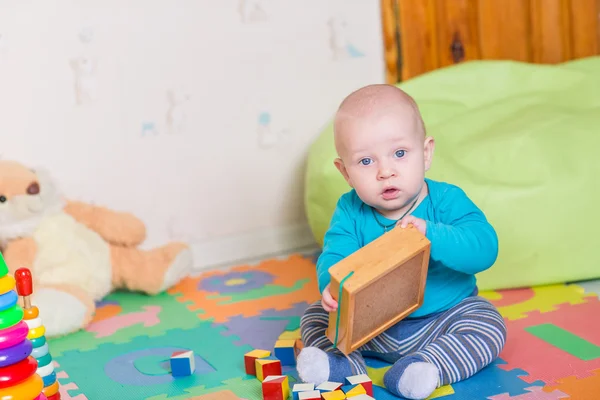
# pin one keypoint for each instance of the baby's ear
(428, 152)
(339, 164)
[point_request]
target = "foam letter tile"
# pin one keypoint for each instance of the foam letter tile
(534, 393)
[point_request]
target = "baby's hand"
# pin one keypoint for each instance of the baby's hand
(418, 223)
(328, 303)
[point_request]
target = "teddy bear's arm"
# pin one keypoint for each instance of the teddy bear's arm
(20, 253)
(117, 228)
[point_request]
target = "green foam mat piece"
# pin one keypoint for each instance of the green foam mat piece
(565, 341)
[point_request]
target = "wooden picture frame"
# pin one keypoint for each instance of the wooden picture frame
(387, 284)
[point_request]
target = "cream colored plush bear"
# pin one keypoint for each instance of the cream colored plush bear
(77, 253)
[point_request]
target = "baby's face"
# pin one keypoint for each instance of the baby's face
(384, 158)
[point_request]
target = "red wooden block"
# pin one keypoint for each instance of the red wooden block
(250, 360)
(276, 387)
(363, 380)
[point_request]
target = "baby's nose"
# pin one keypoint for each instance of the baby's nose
(33, 188)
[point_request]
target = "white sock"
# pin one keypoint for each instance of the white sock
(313, 365)
(418, 380)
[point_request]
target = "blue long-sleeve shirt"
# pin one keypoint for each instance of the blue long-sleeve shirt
(463, 242)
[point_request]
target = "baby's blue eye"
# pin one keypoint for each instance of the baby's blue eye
(400, 153)
(365, 161)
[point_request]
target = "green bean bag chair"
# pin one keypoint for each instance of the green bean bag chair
(523, 141)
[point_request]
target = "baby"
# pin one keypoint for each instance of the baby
(383, 154)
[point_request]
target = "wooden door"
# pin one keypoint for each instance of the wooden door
(423, 35)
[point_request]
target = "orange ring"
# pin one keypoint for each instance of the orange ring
(52, 389)
(28, 389)
(7, 283)
(31, 313)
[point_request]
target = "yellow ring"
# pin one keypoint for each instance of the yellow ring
(36, 333)
(28, 389)
(51, 390)
(31, 313)
(7, 283)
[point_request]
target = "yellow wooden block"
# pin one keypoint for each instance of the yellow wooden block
(290, 335)
(356, 390)
(335, 395)
(266, 367)
(258, 353)
(285, 343)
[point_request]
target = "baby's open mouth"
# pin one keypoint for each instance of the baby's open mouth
(390, 193)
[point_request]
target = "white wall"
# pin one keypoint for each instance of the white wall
(84, 92)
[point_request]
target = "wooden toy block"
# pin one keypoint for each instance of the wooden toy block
(335, 395)
(285, 351)
(354, 390)
(387, 284)
(276, 387)
(363, 397)
(251, 357)
(301, 387)
(299, 346)
(290, 335)
(310, 395)
(329, 386)
(183, 363)
(362, 379)
(267, 366)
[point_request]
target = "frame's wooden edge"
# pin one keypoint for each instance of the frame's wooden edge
(598, 27)
(390, 39)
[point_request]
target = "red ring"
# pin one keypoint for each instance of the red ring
(13, 374)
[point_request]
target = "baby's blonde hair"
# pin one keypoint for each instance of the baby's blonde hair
(376, 99)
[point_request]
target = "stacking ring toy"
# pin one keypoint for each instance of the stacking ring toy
(45, 370)
(8, 300)
(33, 323)
(38, 342)
(10, 317)
(7, 283)
(27, 389)
(14, 354)
(44, 360)
(36, 333)
(14, 374)
(49, 379)
(13, 335)
(51, 390)
(42, 396)
(41, 351)
(31, 313)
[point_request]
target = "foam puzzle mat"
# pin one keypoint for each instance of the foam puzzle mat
(552, 350)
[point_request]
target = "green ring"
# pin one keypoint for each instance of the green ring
(11, 316)
(3, 266)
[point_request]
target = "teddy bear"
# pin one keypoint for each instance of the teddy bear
(77, 252)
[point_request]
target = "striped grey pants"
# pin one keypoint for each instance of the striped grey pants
(460, 341)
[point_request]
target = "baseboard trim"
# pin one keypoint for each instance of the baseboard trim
(237, 249)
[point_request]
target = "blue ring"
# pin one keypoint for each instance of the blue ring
(8, 300)
(49, 379)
